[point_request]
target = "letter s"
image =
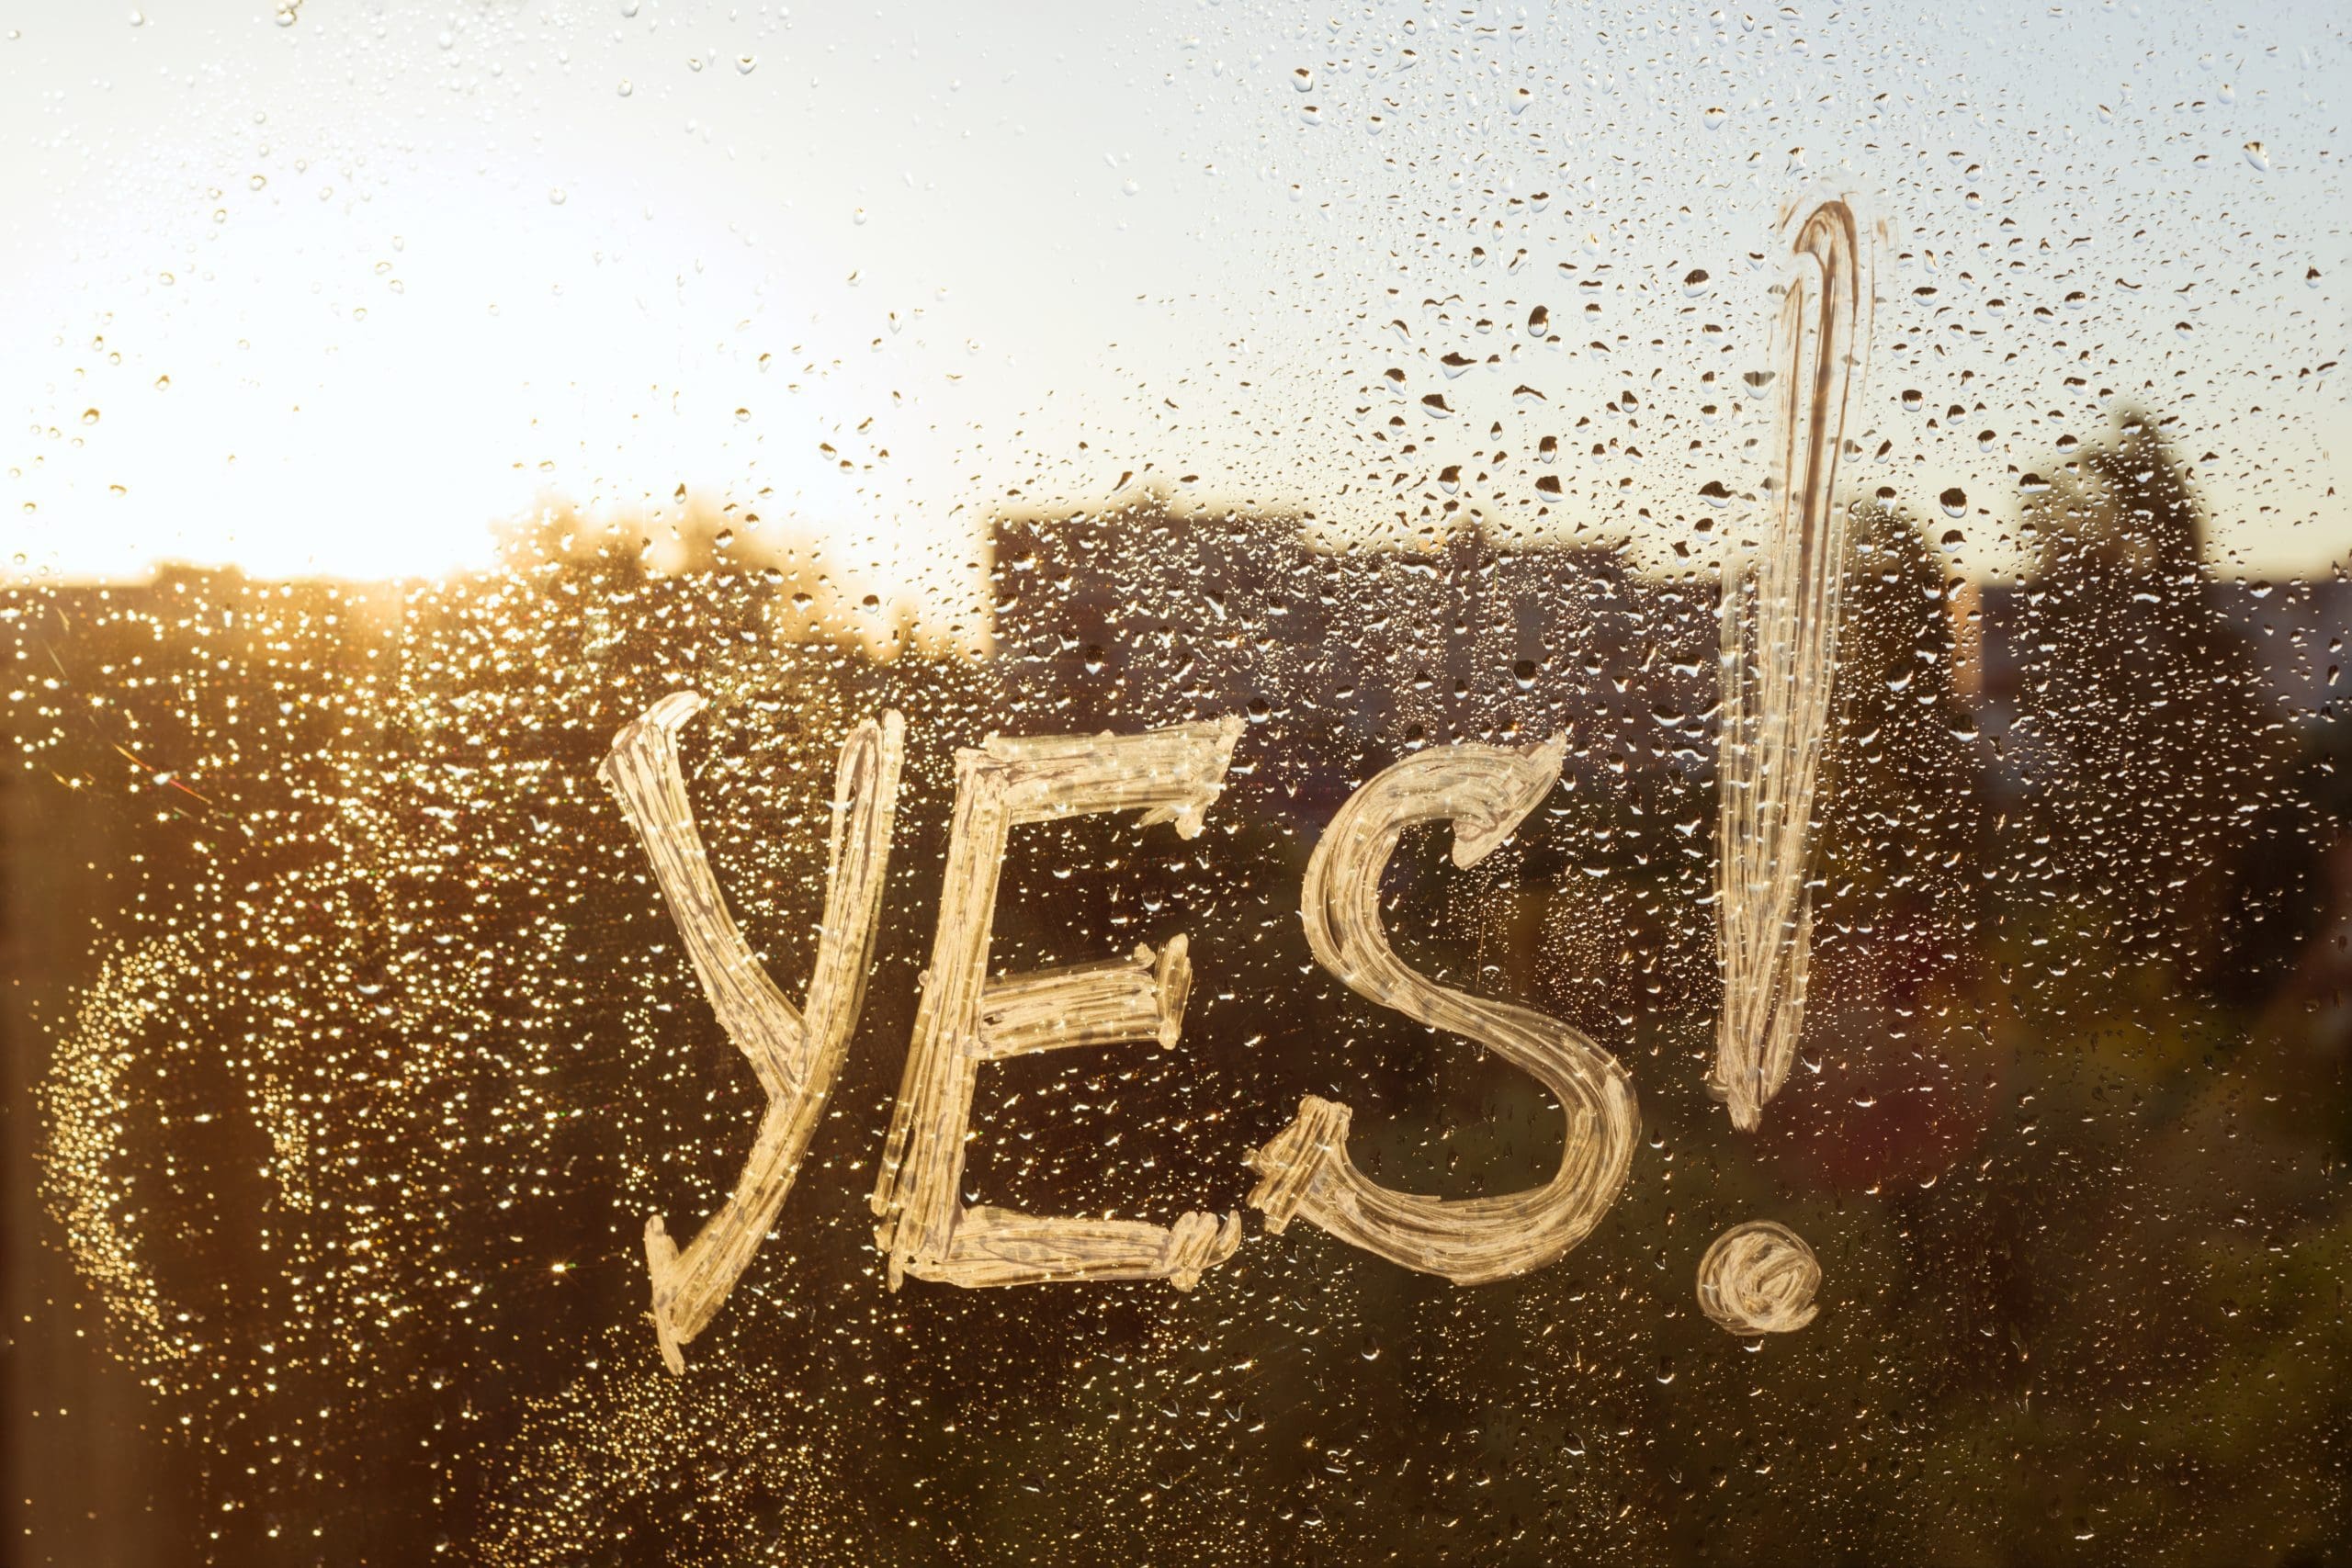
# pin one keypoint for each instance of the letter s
(1484, 792)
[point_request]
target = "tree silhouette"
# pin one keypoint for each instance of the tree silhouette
(2144, 706)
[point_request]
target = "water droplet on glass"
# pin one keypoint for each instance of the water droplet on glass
(746, 63)
(89, 416)
(1303, 80)
(858, 216)
(556, 196)
(626, 88)
(741, 415)
(1714, 117)
(1954, 502)
(2255, 156)
(628, 7)
(1695, 281)
(1912, 399)
(138, 18)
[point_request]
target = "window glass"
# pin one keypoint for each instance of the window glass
(961, 785)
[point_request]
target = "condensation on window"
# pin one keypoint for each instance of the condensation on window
(1473, 783)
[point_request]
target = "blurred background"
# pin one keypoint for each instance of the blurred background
(410, 398)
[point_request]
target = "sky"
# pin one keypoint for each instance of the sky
(334, 289)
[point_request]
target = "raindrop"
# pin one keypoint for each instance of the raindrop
(626, 88)
(741, 415)
(556, 196)
(746, 63)
(138, 18)
(1303, 80)
(1695, 281)
(1714, 118)
(1954, 502)
(1539, 321)
(1914, 399)
(2255, 156)
(89, 416)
